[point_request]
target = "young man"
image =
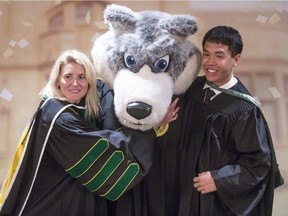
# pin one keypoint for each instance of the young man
(236, 166)
(217, 158)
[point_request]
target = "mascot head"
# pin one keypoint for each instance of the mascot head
(145, 57)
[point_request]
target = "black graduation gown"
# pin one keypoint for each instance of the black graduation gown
(237, 148)
(209, 139)
(69, 165)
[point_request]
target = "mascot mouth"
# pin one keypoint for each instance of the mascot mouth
(138, 124)
(125, 121)
(135, 125)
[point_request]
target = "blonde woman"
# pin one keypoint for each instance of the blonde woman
(64, 159)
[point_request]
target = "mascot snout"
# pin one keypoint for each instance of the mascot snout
(136, 97)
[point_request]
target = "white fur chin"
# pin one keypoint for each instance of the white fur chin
(146, 87)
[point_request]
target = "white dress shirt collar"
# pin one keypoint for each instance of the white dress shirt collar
(227, 85)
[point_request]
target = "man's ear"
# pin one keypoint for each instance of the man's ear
(237, 59)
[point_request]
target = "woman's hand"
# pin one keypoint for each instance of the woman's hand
(171, 114)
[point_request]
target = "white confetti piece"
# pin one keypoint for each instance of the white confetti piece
(88, 17)
(6, 94)
(260, 9)
(8, 53)
(23, 43)
(275, 93)
(101, 25)
(57, 2)
(27, 24)
(12, 43)
(274, 18)
(261, 19)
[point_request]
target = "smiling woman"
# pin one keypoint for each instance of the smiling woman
(72, 82)
(65, 146)
(73, 77)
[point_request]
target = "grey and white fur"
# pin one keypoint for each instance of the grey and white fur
(146, 58)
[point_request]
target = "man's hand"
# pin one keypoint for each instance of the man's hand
(204, 183)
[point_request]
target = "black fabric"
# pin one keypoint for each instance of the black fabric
(55, 192)
(228, 137)
(208, 95)
(236, 147)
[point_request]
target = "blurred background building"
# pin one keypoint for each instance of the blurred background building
(34, 33)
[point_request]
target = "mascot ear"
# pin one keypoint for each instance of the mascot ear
(120, 18)
(180, 25)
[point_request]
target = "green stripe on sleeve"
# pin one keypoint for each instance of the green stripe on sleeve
(89, 158)
(124, 181)
(106, 171)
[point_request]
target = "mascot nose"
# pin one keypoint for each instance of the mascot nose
(139, 110)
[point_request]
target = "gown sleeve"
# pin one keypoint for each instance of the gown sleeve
(106, 162)
(242, 182)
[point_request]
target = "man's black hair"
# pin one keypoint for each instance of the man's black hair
(227, 36)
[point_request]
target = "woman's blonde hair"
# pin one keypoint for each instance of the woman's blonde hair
(91, 98)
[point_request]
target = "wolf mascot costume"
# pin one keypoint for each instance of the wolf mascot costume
(147, 59)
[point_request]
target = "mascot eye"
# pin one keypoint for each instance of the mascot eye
(162, 64)
(130, 61)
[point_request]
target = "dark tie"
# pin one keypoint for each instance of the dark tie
(208, 94)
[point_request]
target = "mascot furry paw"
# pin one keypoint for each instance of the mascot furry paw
(145, 57)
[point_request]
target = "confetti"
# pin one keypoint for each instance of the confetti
(57, 2)
(261, 19)
(260, 9)
(8, 53)
(279, 9)
(101, 25)
(88, 17)
(275, 93)
(6, 94)
(274, 18)
(27, 24)
(12, 43)
(23, 43)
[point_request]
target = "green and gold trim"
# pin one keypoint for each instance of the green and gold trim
(123, 182)
(105, 172)
(89, 158)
